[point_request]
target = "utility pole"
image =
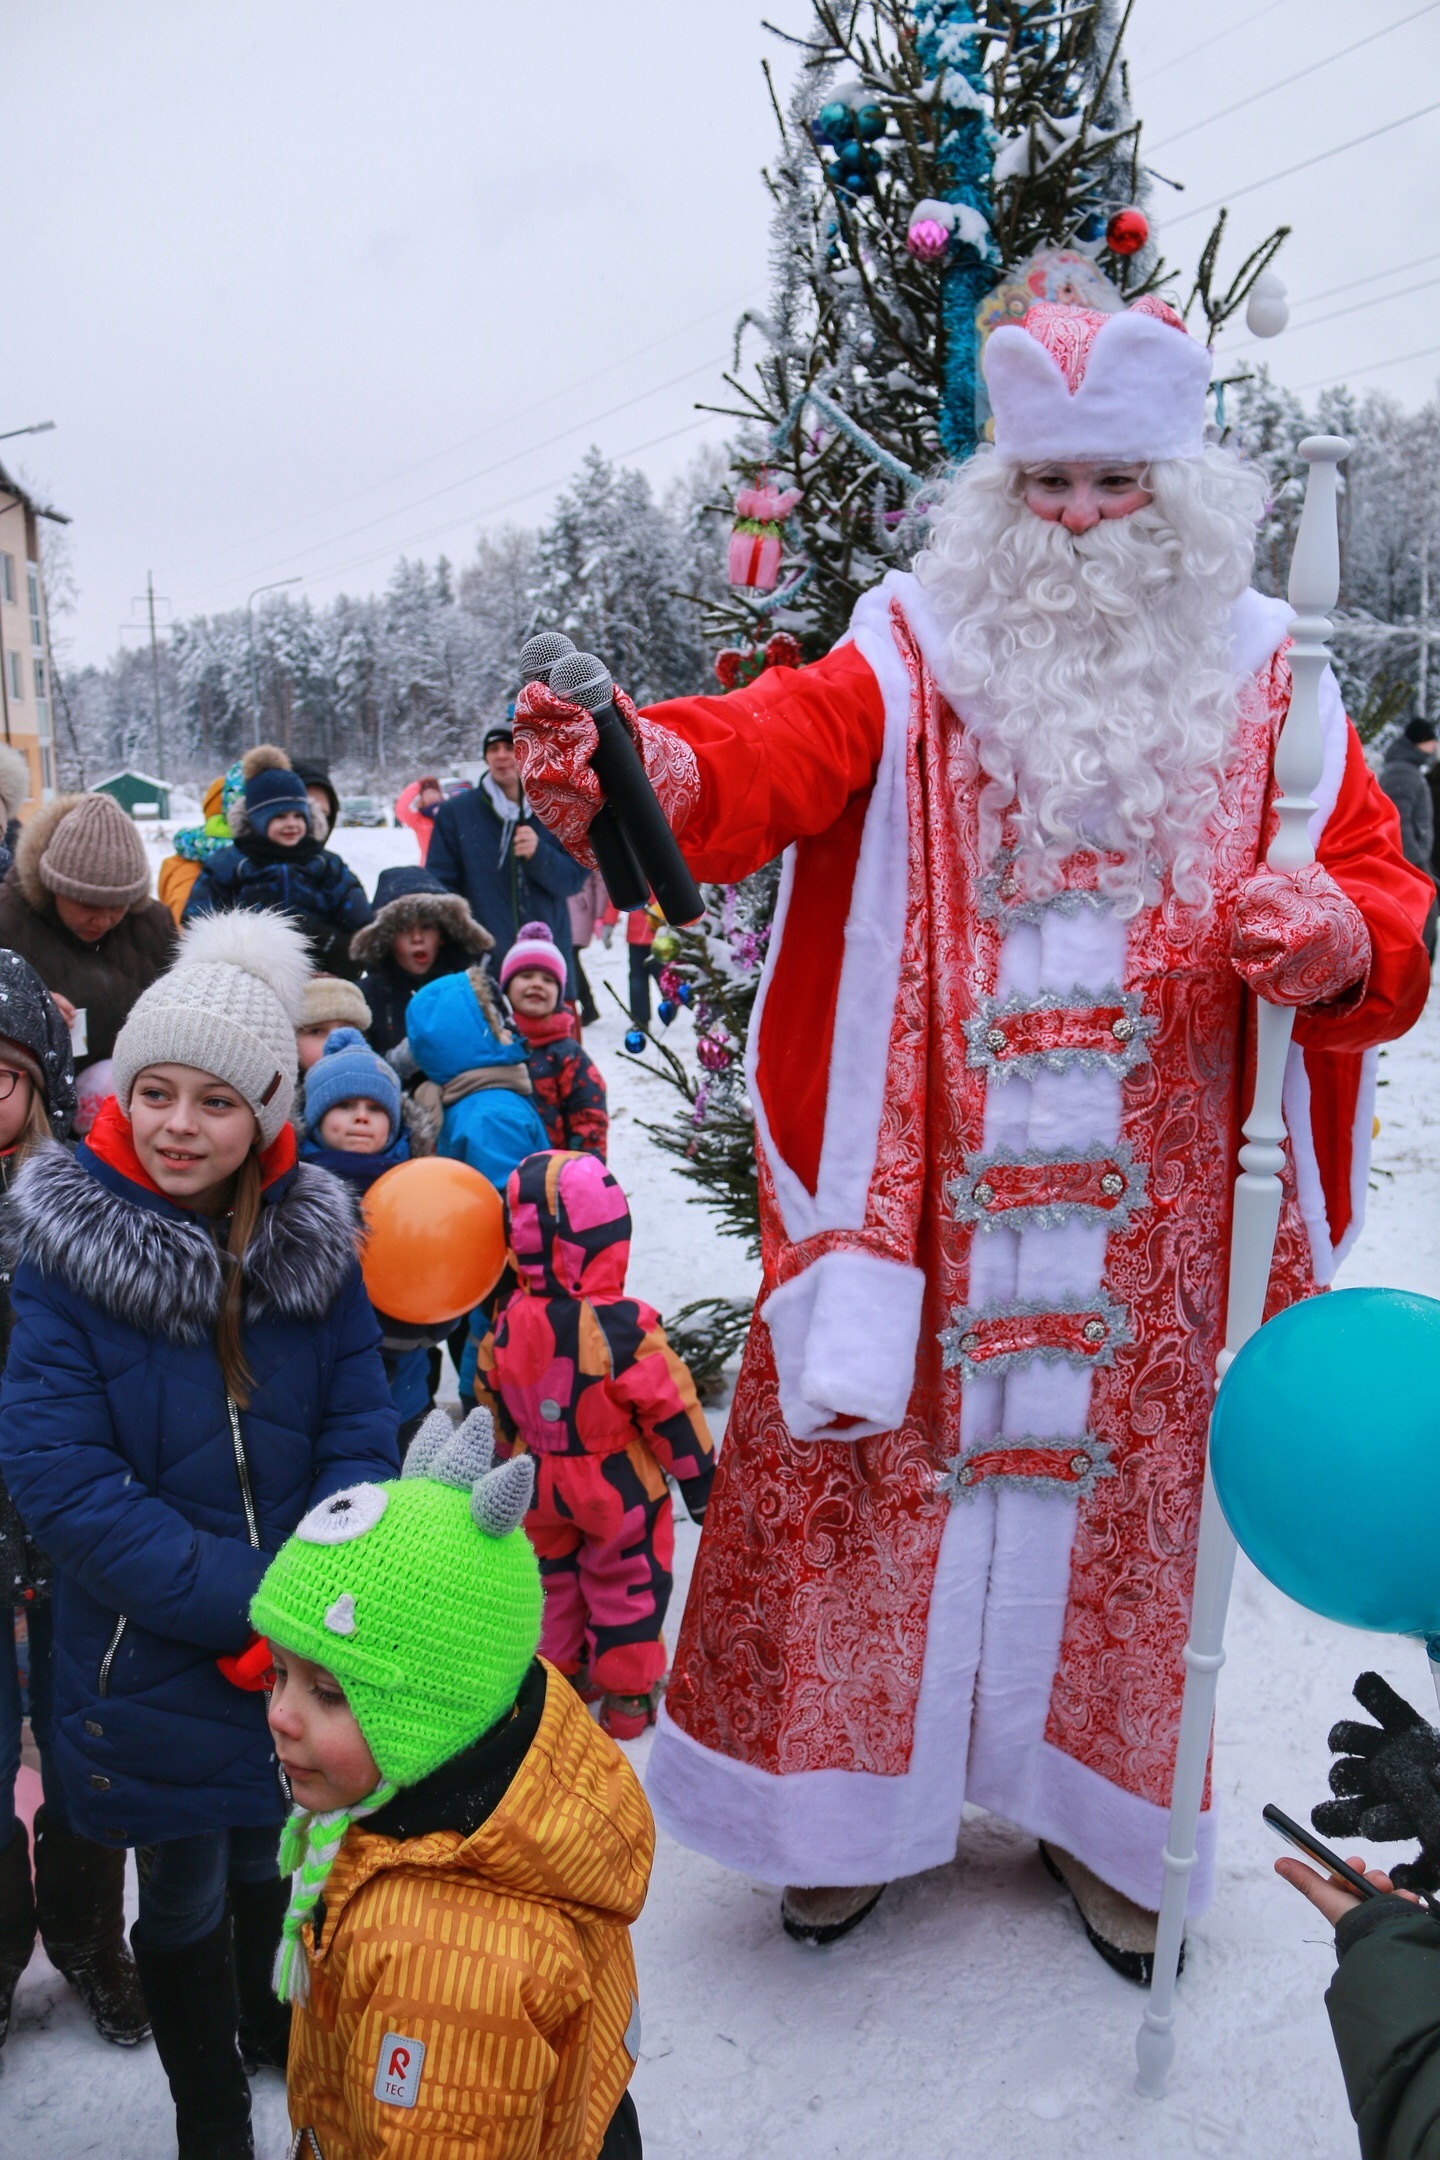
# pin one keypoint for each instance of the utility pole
(1423, 685)
(155, 674)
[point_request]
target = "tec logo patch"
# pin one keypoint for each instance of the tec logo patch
(397, 2074)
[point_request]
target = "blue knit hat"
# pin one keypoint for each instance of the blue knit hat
(348, 1068)
(269, 794)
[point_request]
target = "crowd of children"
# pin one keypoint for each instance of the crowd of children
(202, 1428)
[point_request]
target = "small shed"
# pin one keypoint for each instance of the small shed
(139, 793)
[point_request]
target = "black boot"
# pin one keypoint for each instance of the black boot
(256, 1911)
(194, 2015)
(17, 1920)
(80, 1909)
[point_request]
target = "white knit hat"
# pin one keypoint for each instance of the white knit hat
(230, 1006)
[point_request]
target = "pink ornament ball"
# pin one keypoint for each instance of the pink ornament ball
(1127, 232)
(713, 1054)
(927, 240)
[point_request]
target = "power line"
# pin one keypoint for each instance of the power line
(485, 472)
(1416, 262)
(1320, 158)
(1336, 313)
(1246, 22)
(1297, 75)
(403, 472)
(359, 562)
(1370, 367)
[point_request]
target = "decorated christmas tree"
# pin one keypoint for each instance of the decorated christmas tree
(942, 164)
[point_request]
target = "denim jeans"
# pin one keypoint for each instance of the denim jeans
(40, 1627)
(184, 1880)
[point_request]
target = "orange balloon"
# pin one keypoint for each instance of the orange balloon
(436, 1242)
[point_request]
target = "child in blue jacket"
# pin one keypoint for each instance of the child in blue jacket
(194, 1366)
(460, 1042)
(278, 861)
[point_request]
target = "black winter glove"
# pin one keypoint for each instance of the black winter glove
(1388, 1777)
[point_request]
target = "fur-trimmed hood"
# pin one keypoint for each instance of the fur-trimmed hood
(163, 1274)
(449, 912)
(35, 836)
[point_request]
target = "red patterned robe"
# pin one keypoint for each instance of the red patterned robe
(950, 1548)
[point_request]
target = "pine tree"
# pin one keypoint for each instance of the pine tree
(929, 149)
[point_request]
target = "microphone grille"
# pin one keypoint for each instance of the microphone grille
(583, 679)
(540, 653)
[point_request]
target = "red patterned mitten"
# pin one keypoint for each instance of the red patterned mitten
(555, 741)
(1297, 939)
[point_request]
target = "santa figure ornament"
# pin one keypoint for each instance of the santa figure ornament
(998, 1062)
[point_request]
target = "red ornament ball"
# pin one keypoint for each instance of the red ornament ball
(782, 650)
(1127, 232)
(729, 662)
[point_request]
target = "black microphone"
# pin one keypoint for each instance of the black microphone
(585, 680)
(625, 881)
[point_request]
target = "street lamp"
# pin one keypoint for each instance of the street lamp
(250, 620)
(36, 427)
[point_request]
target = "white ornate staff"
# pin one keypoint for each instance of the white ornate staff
(1299, 761)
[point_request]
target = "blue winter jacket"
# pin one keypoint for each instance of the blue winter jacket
(469, 854)
(315, 888)
(117, 1444)
(450, 1033)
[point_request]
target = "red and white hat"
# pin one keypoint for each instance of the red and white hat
(534, 948)
(1072, 384)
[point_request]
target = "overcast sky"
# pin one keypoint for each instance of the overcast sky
(306, 284)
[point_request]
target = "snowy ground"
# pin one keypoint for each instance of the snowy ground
(969, 2016)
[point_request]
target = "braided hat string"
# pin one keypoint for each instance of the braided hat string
(308, 1845)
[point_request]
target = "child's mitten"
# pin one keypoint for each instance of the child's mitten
(1386, 1776)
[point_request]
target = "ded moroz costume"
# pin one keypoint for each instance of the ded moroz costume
(998, 1062)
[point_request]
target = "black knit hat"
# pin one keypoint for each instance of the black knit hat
(1420, 731)
(30, 1018)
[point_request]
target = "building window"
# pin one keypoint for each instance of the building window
(17, 686)
(7, 578)
(37, 627)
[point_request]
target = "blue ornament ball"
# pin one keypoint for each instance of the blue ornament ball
(870, 123)
(685, 992)
(852, 157)
(836, 120)
(635, 1041)
(668, 1010)
(1325, 1450)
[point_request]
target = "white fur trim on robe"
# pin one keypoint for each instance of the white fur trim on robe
(845, 1332)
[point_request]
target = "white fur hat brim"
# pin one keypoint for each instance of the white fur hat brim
(1142, 396)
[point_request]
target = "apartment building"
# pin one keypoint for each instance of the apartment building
(26, 711)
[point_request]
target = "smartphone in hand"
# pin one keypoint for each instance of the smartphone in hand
(1314, 1849)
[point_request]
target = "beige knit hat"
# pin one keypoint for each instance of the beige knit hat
(230, 1005)
(330, 997)
(96, 856)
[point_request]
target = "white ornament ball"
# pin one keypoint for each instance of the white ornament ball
(1267, 311)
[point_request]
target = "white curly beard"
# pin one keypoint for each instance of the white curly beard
(1094, 669)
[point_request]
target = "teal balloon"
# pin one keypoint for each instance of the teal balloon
(1325, 1450)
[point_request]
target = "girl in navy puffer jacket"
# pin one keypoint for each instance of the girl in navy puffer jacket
(194, 1366)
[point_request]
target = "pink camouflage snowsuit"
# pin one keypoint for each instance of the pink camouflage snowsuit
(582, 1377)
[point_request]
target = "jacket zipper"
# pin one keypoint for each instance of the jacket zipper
(305, 2141)
(109, 1658)
(242, 1467)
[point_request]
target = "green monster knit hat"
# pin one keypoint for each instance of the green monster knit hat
(422, 1596)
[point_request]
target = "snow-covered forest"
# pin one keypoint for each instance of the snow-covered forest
(386, 684)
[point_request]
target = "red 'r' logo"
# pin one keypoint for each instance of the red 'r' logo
(399, 2062)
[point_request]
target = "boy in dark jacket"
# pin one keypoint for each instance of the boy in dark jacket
(353, 1128)
(277, 862)
(582, 1378)
(569, 1092)
(418, 933)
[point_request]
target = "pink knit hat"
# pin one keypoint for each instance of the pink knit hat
(534, 948)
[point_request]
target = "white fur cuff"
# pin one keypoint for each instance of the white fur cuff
(845, 1333)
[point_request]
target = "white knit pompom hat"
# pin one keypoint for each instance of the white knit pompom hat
(229, 1005)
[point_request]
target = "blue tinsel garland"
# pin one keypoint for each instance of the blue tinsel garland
(950, 50)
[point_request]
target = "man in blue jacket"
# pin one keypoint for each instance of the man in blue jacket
(488, 845)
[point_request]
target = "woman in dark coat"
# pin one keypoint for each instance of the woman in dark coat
(419, 933)
(194, 1365)
(76, 904)
(76, 1898)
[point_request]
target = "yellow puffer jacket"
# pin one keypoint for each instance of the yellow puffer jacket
(474, 1998)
